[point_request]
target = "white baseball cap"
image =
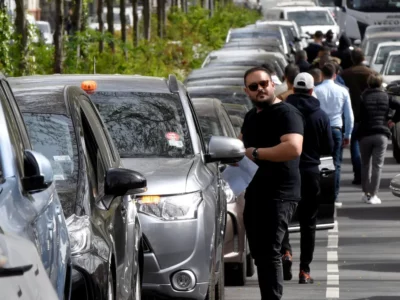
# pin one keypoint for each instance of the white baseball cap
(304, 81)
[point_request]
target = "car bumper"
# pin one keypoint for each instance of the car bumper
(89, 277)
(175, 246)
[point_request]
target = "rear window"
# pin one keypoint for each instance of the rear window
(232, 98)
(384, 52)
(53, 136)
(145, 124)
(393, 68)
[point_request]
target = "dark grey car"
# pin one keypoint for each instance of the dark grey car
(29, 204)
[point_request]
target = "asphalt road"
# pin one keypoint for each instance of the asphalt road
(359, 259)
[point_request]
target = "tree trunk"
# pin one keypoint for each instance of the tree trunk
(76, 16)
(59, 37)
(160, 17)
(211, 7)
(147, 19)
(110, 22)
(184, 6)
(100, 5)
(135, 32)
(122, 16)
(2, 4)
(22, 33)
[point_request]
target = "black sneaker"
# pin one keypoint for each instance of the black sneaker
(305, 278)
(287, 266)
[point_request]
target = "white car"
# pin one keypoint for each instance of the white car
(309, 19)
(370, 42)
(391, 69)
(45, 30)
(381, 54)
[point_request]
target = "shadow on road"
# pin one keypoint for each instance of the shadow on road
(367, 241)
(371, 213)
(380, 298)
(388, 161)
(373, 267)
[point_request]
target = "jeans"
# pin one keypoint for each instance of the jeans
(373, 150)
(307, 212)
(355, 154)
(337, 157)
(266, 221)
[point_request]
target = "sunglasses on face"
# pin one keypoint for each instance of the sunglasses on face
(254, 86)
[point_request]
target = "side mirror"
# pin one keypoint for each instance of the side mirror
(357, 43)
(38, 172)
(121, 182)
(225, 150)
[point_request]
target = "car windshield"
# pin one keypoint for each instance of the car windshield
(310, 18)
(326, 3)
(374, 5)
(53, 136)
(384, 52)
(232, 98)
(145, 124)
(373, 44)
(393, 66)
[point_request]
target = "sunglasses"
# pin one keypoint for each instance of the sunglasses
(254, 86)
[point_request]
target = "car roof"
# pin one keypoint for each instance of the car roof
(301, 8)
(244, 54)
(279, 23)
(384, 34)
(221, 89)
(257, 41)
(104, 82)
(295, 3)
(213, 81)
(394, 53)
(43, 99)
(388, 43)
(219, 72)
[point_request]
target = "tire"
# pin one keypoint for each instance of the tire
(250, 266)
(236, 273)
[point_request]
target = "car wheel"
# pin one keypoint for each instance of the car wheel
(250, 265)
(110, 285)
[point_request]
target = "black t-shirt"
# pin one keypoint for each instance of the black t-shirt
(273, 180)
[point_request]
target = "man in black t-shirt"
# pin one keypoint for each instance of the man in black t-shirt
(272, 133)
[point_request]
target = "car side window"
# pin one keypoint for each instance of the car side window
(197, 124)
(14, 132)
(227, 122)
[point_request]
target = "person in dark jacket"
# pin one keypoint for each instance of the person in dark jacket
(301, 61)
(317, 141)
(329, 41)
(343, 52)
(373, 134)
(313, 48)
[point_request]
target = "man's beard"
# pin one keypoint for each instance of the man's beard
(264, 103)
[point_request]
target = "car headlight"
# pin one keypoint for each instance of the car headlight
(171, 207)
(80, 235)
(230, 195)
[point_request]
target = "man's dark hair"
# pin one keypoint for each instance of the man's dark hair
(319, 34)
(270, 67)
(301, 55)
(291, 71)
(329, 70)
(315, 72)
(357, 56)
(301, 91)
(256, 69)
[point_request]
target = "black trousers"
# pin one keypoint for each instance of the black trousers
(307, 211)
(266, 222)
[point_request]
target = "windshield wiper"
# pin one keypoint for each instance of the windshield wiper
(17, 271)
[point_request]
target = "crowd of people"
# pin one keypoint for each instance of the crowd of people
(330, 99)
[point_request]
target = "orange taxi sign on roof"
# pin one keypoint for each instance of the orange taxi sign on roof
(89, 86)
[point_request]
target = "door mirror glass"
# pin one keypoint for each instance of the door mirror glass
(121, 182)
(38, 172)
(225, 150)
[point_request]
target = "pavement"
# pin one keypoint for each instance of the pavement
(359, 259)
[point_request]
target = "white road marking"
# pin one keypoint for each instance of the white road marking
(333, 279)
(335, 228)
(332, 293)
(332, 256)
(332, 268)
(333, 241)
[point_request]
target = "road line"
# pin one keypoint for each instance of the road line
(333, 279)
(332, 293)
(335, 228)
(332, 256)
(333, 241)
(332, 268)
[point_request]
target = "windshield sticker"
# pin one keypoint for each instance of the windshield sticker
(62, 158)
(59, 177)
(172, 136)
(177, 144)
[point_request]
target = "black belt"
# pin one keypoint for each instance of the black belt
(337, 128)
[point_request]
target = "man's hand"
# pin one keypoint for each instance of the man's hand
(391, 124)
(249, 153)
(346, 142)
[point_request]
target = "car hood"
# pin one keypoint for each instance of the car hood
(389, 78)
(163, 175)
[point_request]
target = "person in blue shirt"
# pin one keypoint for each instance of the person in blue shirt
(335, 101)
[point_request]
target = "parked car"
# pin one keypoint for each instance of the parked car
(95, 191)
(29, 204)
(381, 54)
(214, 120)
(267, 44)
(370, 42)
(393, 89)
(22, 274)
(391, 69)
(227, 94)
(236, 109)
(183, 212)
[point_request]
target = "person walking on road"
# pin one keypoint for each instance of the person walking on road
(317, 75)
(373, 134)
(301, 61)
(315, 47)
(291, 72)
(355, 79)
(318, 141)
(335, 101)
(272, 133)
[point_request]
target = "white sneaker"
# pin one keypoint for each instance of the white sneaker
(365, 198)
(375, 200)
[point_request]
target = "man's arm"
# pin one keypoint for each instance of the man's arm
(348, 117)
(290, 148)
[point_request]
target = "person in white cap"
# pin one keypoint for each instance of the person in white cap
(317, 141)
